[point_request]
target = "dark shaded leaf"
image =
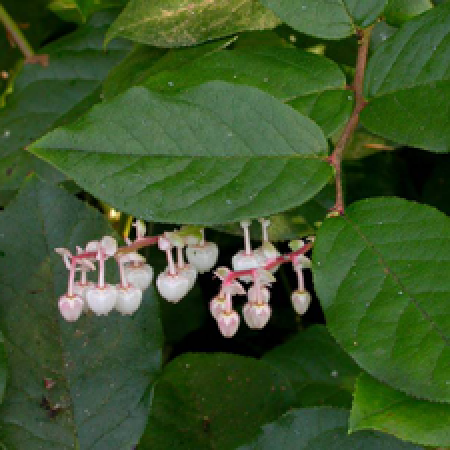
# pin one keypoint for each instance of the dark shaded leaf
(214, 401)
(197, 157)
(101, 366)
(320, 428)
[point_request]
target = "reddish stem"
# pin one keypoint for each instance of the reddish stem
(73, 266)
(336, 158)
(233, 275)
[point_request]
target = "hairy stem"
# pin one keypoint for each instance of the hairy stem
(336, 157)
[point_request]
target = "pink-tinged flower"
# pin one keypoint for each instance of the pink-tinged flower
(217, 305)
(70, 307)
(228, 323)
(258, 295)
(256, 315)
(301, 301)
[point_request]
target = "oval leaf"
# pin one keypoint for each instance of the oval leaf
(380, 274)
(213, 401)
(215, 154)
(379, 407)
(176, 23)
(335, 19)
(101, 367)
(320, 428)
(408, 78)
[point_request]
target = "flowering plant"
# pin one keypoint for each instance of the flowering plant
(224, 224)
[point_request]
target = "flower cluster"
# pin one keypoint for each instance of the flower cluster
(249, 266)
(135, 275)
(257, 267)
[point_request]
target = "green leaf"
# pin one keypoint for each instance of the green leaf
(310, 83)
(145, 61)
(101, 366)
(408, 79)
(286, 73)
(380, 32)
(379, 407)
(45, 97)
(175, 23)
(329, 19)
(196, 157)
(380, 274)
(3, 367)
(419, 116)
(320, 372)
(213, 401)
(399, 11)
(320, 428)
(80, 10)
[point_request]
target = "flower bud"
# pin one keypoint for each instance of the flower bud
(216, 306)
(70, 307)
(301, 301)
(128, 299)
(228, 323)
(101, 300)
(256, 315)
(172, 287)
(203, 257)
(139, 275)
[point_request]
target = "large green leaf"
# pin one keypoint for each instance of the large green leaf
(214, 401)
(320, 428)
(329, 19)
(408, 79)
(101, 366)
(320, 372)
(215, 154)
(3, 367)
(380, 274)
(176, 23)
(44, 97)
(379, 407)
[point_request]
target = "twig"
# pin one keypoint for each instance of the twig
(13, 31)
(336, 158)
